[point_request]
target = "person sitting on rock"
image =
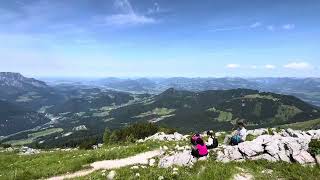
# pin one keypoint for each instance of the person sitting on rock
(240, 135)
(212, 141)
(200, 149)
(194, 139)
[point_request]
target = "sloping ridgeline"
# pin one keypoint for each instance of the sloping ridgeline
(217, 109)
(15, 118)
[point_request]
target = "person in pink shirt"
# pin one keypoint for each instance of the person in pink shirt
(200, 149)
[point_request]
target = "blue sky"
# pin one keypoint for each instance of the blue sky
(160, 38)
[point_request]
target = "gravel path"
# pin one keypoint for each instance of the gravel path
(142, 158)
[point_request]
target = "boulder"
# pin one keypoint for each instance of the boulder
(100, 145)
(267, 157)
(28, 151)
(80, 128)
(303, 157)
(257, 132)
(9, 149)
(164, 137)
(111, 175)
(298, 134)
(179, 158)
(315, 134)
(251, 148)
(217, 134)
(274, 147)
(283, 156)
(289, 146)
(318, 159)
(152, 162)
(229, 153)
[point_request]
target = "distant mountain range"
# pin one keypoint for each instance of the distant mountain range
(66, 111)
(307, 89)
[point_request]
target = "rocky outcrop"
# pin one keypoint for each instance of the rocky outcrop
(288, 145)
(183, 158)
(257, 132)
(80, 128)
(318, 159)
(164, 137)
(28, 151)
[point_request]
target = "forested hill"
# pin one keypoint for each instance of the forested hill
(217, 109)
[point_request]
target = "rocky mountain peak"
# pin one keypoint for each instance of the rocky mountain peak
(10, 79)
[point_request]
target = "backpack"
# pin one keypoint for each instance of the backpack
(215, 143)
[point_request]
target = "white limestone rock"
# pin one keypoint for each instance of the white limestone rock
(257, 132)
(303, 157)
(152, 162)
(161, 136)
(111, 175)
(318, 159)
(251, 148)
(179, 158)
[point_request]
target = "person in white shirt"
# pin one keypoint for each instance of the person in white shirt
(240, 135)
(242, 132)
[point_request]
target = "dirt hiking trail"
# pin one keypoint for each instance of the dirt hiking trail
(142, 158)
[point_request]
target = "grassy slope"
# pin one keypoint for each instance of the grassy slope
(13, 166)
(302, 125)
(33, 136)
(215, 170)
(47, 164)
(45, 132)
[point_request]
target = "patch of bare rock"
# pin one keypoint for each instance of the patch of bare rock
(288, 145)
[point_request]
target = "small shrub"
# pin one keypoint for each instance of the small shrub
(167, 130)
(270, 131)
(250, 137)
(314, 147)
(5, 145)
(106, 136)
(88, 143)
(131, 133)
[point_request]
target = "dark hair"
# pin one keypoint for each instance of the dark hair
(210, 133)
(200, 141)
(241, 123)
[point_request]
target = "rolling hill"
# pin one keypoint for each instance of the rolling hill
(217, 109)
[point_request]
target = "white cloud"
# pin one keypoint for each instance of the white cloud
(127, 15)
(270, 66)
(233, 66)
(128, 19)
(288, 26)
(154, 9)
(271, 28)
(255, 25)
(123, 5)
(233, 28)
(298, 66)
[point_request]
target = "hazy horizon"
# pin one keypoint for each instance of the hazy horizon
(152, 77)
